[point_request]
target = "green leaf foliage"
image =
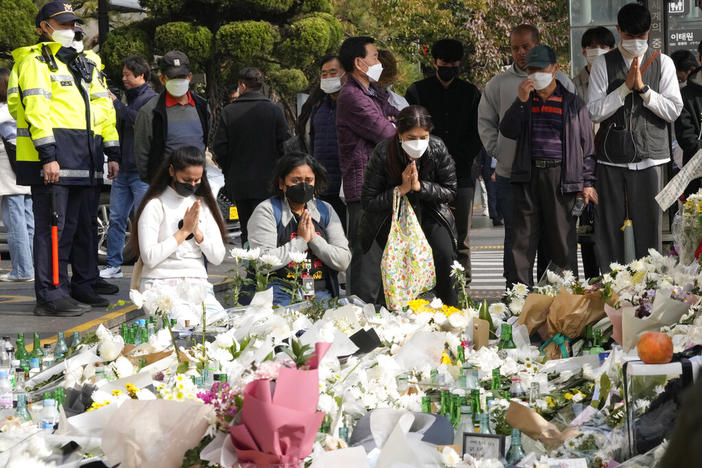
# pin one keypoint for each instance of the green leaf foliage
(307, 39)
(194, 41)
(264, 6)
(242, 40)
(163, 8)
(309, 6)
(121, 43)
(288, 82)
(17, 24)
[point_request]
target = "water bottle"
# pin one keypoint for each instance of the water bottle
(5, 391)
(49, 415)
(48, 359)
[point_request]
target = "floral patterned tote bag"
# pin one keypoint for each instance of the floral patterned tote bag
(407, 265)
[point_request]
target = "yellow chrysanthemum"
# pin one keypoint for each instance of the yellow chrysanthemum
(568, 396)
(116, 392)
(449, 310)
(445, 359)
(550, 401)
(418, 305)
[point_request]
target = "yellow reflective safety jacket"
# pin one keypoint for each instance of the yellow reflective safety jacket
(64, 113)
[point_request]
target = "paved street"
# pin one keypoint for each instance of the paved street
(17, 299)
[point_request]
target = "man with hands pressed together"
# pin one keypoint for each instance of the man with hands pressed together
(554, 164)
(634, 95)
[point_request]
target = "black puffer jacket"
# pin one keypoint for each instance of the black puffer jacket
(437, 174)
(687, 126)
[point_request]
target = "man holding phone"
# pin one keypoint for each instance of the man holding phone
(554, 166)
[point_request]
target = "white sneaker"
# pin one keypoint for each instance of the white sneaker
(486, 213)
(111, 272)
(6, 278)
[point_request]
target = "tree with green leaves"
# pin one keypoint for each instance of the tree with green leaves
(16, 25)
(283, 38)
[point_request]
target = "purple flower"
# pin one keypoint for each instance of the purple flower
(159, 377)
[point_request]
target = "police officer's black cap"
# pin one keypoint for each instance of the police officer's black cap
(174, 64)
(60, 11)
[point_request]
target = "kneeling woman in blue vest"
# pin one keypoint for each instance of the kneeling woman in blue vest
(293, 220)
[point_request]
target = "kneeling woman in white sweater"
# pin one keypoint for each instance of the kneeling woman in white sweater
(179, 228)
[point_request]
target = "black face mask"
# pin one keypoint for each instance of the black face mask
(185, 190)
(300, 193)
(446, 74)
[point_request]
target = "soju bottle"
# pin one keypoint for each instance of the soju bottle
(21, 353)
(484, 424)
(496, 384)
(475, 404)
(76, 340)
(485, 315)
(445, 403)
(461, 353)
(588, 337)
(22, 413)
(465, 424)
(61, 348)
(597, 343)
(516, 452)
(506, 341)
(426, 404)
(36, 350)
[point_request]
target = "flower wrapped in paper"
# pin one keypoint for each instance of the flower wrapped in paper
(280, 427)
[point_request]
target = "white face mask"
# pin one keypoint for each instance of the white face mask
(178, 87)
(77, 45)
(330, 85)
(592, 54)
(374, 72)
(63, 36)
(635, 46)
(541, 80)
(415, 148)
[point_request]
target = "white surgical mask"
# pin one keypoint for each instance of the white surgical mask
(63, 36)
(178, 87)
(374, 72)
(415, 148)
(592, 54)
(77, 45)
(541, 80)
(635, 46)
(330, 85)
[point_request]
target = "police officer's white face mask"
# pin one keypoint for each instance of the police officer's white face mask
(178, 87)
(64, 37)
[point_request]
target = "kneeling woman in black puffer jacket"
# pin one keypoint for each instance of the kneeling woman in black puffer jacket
(421, 166)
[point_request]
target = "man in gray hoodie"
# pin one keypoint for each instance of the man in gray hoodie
(499, 94)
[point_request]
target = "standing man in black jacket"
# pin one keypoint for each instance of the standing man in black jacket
(687, 126)
(127, 189)
(175, 118)
(453, 105)
(248, 141)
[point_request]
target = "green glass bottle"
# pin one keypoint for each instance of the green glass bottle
(484, 424)
(36, 350)
(426, 404)
(484, 314)
(76, 340)
(60, 396)
(123, 331)
(21, 353)
(475, 404)
(506, 341)
(516, 452)
(597, 343)
(144, 334)
(588, 338)
(461, 353)
(22, 413)
(445, 403)
(496, 384)
(61, 348)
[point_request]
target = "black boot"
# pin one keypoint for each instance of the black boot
(91, 299)
(64, 307)
(100, 286)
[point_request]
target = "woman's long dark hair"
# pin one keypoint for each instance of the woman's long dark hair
(180, 159)
(287, 163)
(408, 118)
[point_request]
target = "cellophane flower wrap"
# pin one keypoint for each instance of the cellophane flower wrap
(687, 229)
(280, 428)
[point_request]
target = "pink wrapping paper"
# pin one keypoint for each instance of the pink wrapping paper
(280, 428)
(615, 316)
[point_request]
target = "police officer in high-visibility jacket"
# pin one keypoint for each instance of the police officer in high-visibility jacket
(65, 122)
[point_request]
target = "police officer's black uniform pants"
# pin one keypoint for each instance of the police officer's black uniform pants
(75, 207)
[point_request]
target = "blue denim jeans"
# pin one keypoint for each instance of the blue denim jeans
(126, 194)
(18, 218)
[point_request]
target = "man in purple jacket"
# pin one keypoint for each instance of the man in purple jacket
(363, 119)
(554, 166)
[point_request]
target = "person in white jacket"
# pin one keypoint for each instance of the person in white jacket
(179, 228)
(17, 214)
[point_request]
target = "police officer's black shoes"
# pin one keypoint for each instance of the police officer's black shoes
(103, 287)
(64, 307)
(91, 299)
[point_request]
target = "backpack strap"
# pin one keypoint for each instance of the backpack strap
(277, 211)
(324, 215)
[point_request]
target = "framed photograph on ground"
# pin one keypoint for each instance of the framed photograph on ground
(483, 446)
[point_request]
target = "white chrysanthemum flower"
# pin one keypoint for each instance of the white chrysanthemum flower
(136, 297)
(270, 259)
(436, 303)
(520, 289)
(252, 254)
(497, 308)
(297, 257)
(456, 267)
(238, 253)
(449, 457)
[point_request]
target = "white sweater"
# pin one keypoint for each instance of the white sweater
(160, 252)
